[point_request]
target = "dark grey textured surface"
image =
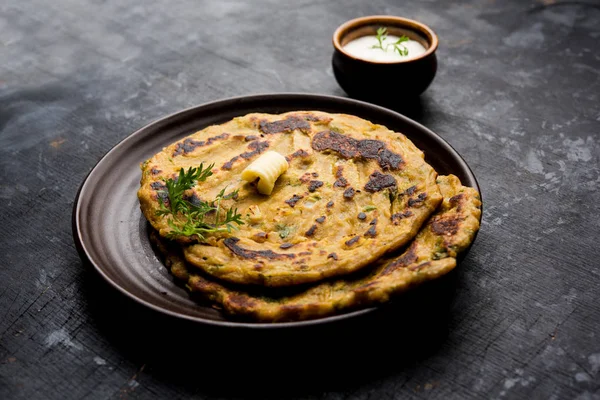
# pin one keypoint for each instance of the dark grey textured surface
(517, 94)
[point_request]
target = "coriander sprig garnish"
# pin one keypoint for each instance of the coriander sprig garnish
(187, 215)
(398, 46)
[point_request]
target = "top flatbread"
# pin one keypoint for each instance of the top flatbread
(353, 192)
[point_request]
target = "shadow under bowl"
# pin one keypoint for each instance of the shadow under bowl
(384, 81)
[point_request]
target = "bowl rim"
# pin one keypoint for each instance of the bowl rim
(401, 20)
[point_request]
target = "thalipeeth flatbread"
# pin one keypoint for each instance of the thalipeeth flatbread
(353, 192)
(432, 254)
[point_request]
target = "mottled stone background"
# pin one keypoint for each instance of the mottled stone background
(517, 94)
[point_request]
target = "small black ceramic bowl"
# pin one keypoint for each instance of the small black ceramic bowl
(384, 81)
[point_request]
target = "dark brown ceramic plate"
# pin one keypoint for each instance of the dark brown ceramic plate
(111, 233)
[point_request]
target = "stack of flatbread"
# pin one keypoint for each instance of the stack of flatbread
(356, 218)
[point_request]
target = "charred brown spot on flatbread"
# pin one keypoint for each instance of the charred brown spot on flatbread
(297, 154)
(352, 241)
(241, 301)
(293, 200)
(189, 145)
(158, 186)
(288, 124)
(415, 202)
(314, 185)
(457, 201)
(372, 232)
(255, 147)
(446, 226)
(397, 217)
(232, 244)
(229, 164)
(409, 257)
(339, 174)
(305, 178)
(410, 191)
(161, 192)
(349, 147)
(389, 160)
(201, 285)
(369, 148)
(346, 146)
(378, 181)
(349, 193)
(311, 231)
(341, 182)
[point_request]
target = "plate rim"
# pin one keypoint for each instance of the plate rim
(85, 255)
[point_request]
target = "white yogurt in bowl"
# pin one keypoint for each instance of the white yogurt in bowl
(383, 47)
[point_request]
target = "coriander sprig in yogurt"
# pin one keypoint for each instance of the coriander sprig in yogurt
(384, 47)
